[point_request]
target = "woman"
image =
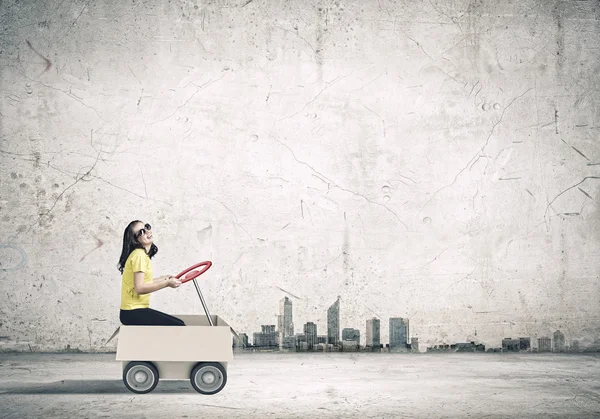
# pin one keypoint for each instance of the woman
(137, 280)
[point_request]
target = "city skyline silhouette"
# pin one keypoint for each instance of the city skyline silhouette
(283, 337)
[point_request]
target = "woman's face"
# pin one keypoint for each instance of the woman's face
(143, 234)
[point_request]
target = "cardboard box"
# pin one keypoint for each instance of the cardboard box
(175, 350)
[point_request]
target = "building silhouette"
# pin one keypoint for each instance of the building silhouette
(559, 341)
(414, 344)
(349, 346)
(544, 344)
(439, 348)
(301, 344)
(574, 346)
(524, 344)
(267, 338)
(285, 310)
(285, 324)
(310, 333)
(373, 333)
(349, 334)
(510, 345)
(333, 323)
(467, 347)
(241, 341)
(398, 334)
(288, 342)
(350, 340)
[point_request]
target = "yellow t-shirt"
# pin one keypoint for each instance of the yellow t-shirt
(138, 261)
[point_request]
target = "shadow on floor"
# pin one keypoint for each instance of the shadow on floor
(94, 387)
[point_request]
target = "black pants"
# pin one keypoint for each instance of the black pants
(148, 317)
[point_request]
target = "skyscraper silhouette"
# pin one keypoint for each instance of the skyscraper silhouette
(285, 310)
(333, 323)
(398, 333)
(310, 331)
(373, 333)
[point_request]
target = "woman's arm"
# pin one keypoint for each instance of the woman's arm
(157, 284)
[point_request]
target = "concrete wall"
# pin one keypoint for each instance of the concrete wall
(433, 160)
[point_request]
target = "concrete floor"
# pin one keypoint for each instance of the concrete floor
(325, 385)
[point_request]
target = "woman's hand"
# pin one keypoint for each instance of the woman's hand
(157, 284)
(173, 282)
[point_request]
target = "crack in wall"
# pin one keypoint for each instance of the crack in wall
(477, 156)
(337, 186)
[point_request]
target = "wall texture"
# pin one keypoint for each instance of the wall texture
(431, 160)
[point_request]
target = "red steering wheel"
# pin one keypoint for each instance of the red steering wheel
(191, 272)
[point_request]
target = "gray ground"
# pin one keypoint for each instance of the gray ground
(325, 385)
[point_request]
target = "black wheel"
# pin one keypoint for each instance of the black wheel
(140, 377)
(208, 377)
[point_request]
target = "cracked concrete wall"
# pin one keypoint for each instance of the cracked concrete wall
(431, 160)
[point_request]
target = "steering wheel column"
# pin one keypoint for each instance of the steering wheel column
(190, 274)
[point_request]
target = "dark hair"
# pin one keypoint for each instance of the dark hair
(130, 243)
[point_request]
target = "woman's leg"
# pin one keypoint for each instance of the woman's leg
(165, 319)
(148, 317)
(136, 317)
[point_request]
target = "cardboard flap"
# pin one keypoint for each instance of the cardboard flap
(113, 335)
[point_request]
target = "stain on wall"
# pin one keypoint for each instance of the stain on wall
(13, 257)
(432, 162)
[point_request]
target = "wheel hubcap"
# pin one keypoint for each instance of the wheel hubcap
(140, 377)
(208, 378)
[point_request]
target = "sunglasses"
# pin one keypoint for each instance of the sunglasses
(143, 231)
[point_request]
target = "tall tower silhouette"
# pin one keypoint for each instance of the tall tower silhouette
(333, 323)
(286, 322)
